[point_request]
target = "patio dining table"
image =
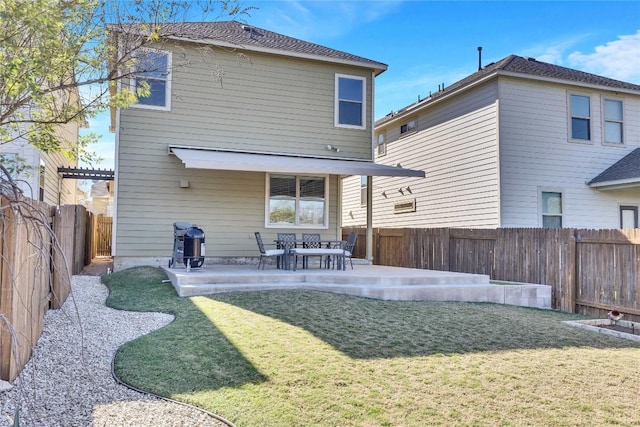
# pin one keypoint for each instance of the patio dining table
(296, 247)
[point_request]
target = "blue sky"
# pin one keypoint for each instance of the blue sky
(428, 43)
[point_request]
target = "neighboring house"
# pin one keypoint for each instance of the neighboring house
(100, 200)
(520, 143)
(39, 179)
(245, 130)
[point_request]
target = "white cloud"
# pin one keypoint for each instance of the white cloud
(618, 59)
(553, 51)
(314, 20)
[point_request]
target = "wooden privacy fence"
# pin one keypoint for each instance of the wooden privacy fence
(40, 247)
(590, 271)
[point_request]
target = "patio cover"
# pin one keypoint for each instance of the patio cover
(202, 158)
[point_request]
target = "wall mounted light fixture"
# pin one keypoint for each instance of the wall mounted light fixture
(401, 191)
(408, 190)
(333, 148)
(384, 194)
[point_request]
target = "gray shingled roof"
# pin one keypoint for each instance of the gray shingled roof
(627, 168)
(253, 38)
(514, 64)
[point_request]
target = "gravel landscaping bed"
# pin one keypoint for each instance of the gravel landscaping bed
(68, 381)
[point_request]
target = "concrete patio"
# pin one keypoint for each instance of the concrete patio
(370, 281)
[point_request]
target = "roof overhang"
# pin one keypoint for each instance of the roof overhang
(617, 184)
(378, 67)
(203, 158)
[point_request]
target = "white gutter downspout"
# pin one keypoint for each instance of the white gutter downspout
(369, 219)
(370, 179)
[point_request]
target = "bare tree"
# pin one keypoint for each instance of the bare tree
(61, 62)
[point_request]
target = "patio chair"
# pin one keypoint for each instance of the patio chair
(266, 253)
(349, 247)
(311, 241)
(287, 242)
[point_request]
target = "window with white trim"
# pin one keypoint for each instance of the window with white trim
(41, 180)
(297, 201)
(408, 127)
(613, 121)
(350, 101)
(580, 117)
(153, 67)
(382, 144)
(551, 209)
(363, 190)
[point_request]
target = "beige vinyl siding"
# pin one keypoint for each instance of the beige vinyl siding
(537, 155)
(353, 212)
(263, 103)
(229, 206)
(456, 145)
(60, 191)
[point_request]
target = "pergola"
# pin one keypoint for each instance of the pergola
(85, 173)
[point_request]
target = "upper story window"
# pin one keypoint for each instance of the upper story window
(154, 68)
(382, 144)
(41, 180)
(350, 102)
(363, 190)
(613, 121)
(297, 201)
(551, 209)
(580, 117)
(408, 127)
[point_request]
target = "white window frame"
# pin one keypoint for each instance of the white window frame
(363, 107)
(571, 116)
(324, 226)
(167, 100)
(605, 121)
(42, 180)
(363, 190)
(411, 127)
(381, 146)
(542, 214)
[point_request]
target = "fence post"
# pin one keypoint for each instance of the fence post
(63, 226)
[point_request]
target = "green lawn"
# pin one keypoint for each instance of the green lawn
(302, 358)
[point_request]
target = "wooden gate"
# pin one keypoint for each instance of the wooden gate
(101, 232)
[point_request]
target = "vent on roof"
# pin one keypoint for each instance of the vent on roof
(247, 28)
(404, 207)
(531, 59)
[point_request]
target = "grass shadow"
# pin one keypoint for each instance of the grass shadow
(367, 328)
(200, 356)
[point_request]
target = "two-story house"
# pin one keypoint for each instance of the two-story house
(519, 143)
(243, 130)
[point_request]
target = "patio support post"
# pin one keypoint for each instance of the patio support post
(369, 219)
